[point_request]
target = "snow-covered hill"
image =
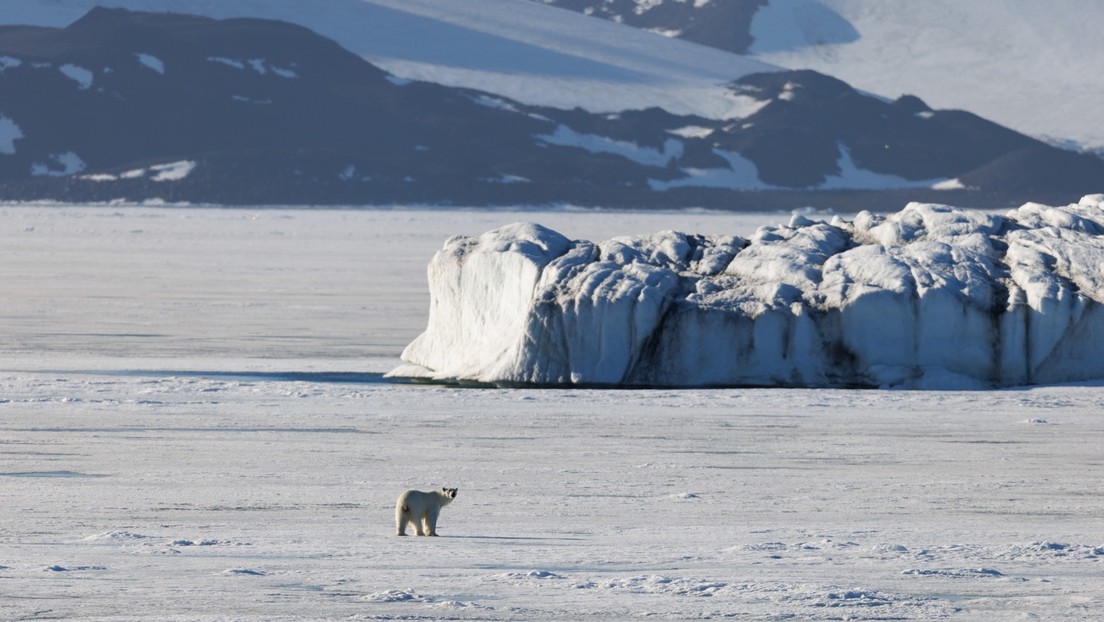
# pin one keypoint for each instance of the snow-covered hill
(1029, 65)
(528, 52)
(1033, 66)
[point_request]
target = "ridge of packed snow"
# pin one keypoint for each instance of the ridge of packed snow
(930, 297)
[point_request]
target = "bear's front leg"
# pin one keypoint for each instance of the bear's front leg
(431, 522)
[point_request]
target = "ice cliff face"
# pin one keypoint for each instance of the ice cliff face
(930, 297)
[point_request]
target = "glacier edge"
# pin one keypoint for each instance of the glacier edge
(930, 297)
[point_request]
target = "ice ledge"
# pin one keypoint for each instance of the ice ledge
(930, 297)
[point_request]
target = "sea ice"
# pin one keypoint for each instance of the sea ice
(189, 392)
(930, 297)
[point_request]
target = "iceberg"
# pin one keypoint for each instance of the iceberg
(933, 297)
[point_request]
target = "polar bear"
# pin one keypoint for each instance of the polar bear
(421, 508)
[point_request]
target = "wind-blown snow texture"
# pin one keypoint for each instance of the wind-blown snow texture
(930, 297)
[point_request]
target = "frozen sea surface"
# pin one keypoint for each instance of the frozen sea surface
(194, 425)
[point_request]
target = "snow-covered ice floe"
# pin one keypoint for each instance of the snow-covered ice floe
(930, 297)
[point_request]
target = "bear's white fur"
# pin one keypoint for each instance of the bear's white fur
(422, 509)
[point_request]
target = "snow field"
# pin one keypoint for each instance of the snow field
(194, 425)
(207, 497)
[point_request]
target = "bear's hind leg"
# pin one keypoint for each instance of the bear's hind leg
(418, 524)
(401, 519)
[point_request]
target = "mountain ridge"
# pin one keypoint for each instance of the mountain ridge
(242, 111)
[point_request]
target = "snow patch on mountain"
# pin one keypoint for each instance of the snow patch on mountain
(152, 62)
(812, 303)
(76, 73)
(229, 62)
(8, 62)
(567, 137)
(9, 133)
(249, 100)
(259, 66)
(482, 99)
(283, 72)
(950, 184)
(170, 171)
(852, 177)
(797, 24)
(59, 165)
(692, 131)
(738, 102)
(741, 174)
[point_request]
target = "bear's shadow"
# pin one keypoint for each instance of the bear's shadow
(533, 538)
